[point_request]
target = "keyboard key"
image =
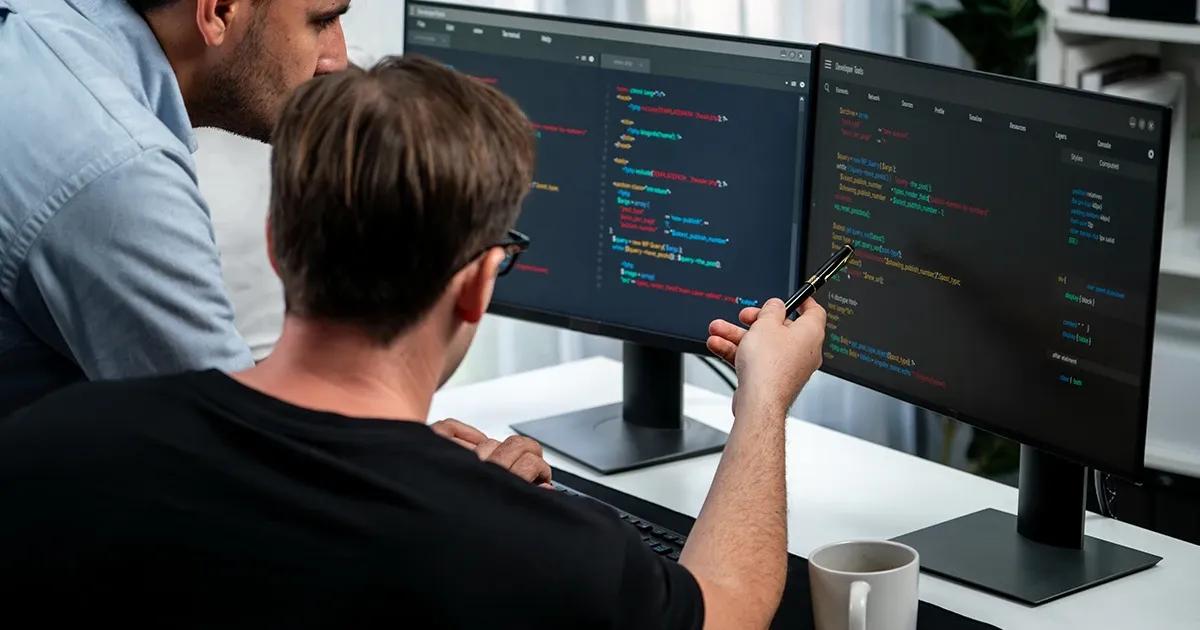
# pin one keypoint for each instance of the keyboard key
(661, 540)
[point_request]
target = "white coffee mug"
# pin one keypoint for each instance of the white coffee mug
(864, 585)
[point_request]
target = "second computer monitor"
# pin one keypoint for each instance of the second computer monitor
(1008, 240)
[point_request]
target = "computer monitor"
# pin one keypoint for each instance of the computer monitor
(668, 192)
(1007, 237)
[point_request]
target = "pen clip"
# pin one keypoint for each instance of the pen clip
(836, 268)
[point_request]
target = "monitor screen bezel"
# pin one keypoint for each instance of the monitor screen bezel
(1130, 469)
(624, 332)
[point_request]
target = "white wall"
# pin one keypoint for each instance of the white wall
(234, 180)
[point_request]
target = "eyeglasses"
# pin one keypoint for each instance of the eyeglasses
(514, 244)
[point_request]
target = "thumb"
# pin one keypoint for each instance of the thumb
(772, 311)
(813, 312)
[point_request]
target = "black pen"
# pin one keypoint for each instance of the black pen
(831, 266)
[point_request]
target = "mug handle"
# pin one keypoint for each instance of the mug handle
(858, 605)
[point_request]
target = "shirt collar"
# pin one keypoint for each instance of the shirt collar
(150, 76)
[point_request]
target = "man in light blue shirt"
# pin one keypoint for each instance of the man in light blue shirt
(108, 267)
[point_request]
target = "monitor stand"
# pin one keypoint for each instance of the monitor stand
(1037, 556)
(647, 428)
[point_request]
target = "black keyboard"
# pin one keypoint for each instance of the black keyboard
(659, 539)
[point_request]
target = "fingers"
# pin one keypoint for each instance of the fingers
(518, 454)
(748, 315)
(722, 328)
(810, 306)
(810, 330)
(442, 428)
(485, 448)
(521, 456)
(723, 348)
(813, 312)
(463, 443)
(458, 431)
(508, 452)
(532, 469)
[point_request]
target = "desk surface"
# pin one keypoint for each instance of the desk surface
(841, 487)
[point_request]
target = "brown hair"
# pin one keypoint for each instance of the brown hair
(385, 182)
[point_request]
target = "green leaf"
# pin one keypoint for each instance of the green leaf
(1026, 30)
(1000, 35)
(1001, 13)
(937, 13)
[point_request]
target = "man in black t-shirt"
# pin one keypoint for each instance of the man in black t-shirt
(309, 492)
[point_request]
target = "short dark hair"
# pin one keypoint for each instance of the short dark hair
(385, 182)
(146, 6)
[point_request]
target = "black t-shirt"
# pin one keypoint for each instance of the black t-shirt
(197, 501)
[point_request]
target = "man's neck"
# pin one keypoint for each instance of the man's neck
(172, 32)
(337, 369)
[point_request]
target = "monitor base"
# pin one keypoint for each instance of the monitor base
(985, 551)
(602, 440)
(1037, 556)
(647, 428)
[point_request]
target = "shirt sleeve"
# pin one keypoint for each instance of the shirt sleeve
(656, 592)
(125, 278)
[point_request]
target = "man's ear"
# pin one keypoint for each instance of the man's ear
(214, 17)
(478, 282)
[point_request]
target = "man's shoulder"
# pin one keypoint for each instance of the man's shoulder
(66, 74)
(494, 500)
(89, 410)
(69, 114)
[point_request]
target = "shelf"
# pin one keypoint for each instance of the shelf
(1102, 25)
(1181, 252)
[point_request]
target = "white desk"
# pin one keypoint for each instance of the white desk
(840, 487)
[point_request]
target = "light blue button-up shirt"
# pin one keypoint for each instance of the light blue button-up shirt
(108, 267)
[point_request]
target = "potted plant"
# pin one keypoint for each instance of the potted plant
(1000, 35)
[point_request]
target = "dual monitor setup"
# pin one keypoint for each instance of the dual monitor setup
(1006, 239)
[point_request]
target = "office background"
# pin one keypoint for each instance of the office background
(234, 178)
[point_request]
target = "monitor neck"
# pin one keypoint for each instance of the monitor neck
(1052, 499)
(653, 380)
